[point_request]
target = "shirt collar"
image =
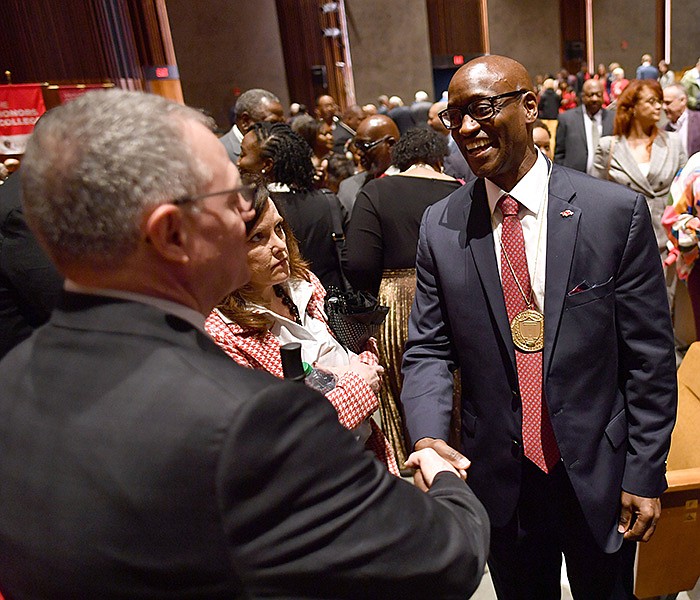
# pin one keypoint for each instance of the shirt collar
(238, 133)
(299, 290)
(167, 306)
(528, 191)
(682, 119)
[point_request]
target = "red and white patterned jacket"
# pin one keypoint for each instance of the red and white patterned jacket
(352, 397)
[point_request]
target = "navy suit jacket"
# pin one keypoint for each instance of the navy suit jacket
(609, 370)
(137, 460)
(571, 149)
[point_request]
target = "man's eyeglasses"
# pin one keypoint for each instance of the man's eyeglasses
(479, 110)
(364, 146)
(244, 194)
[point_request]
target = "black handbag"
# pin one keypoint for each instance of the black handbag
(354, 317)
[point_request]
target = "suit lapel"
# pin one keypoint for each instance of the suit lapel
(659, 155)
(562, 229)
(481, 244)
(608, 121)
(623, 156)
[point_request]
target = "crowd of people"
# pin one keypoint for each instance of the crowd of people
(203, 478)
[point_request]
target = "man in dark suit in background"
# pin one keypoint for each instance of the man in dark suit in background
(683, 121)
(253, 106)
(327, 111)
(29, 283)
(580, 129)
(565, 349)
(136, 459)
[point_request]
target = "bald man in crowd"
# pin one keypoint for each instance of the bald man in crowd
(455, 164)
(327, 111)
(136, 459)
(253, 106)
(376, 135)
(543, 285)
(580, 129)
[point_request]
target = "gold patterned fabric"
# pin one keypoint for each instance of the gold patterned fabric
(396, 291)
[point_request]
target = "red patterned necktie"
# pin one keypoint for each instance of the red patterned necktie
(539, 443)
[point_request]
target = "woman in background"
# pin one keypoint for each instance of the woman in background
(381, 251)
(318, 135)
(639, 154)
(282, 303)
(273, 154)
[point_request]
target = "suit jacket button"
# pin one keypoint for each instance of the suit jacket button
(516, 448)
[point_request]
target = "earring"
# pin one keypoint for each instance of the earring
(263, 171)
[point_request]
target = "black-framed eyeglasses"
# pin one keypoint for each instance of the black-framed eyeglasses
(245, 195)
(479, 110)
(364, 146)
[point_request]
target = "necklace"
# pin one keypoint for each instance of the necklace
(281, 293)
(527, 327)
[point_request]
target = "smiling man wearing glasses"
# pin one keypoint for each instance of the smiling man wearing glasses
(136, 460)
(543, 285)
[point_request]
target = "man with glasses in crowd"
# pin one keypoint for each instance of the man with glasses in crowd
(543, 285)
(374, 139)
(136, 460)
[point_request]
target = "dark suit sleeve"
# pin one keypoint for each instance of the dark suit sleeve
(647, 362)
(27, 267)
(308, 513)
(29, 283)
(428, 360)
(560, 142)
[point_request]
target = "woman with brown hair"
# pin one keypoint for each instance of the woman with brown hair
(639, 154)
(283, 303)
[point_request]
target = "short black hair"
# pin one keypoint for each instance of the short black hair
(419, 145)
(290, 154)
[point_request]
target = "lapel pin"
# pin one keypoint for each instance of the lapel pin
(566, 213)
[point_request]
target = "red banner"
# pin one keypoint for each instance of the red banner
(68, 92)
(20, 107)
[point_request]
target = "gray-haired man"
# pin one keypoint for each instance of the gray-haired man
(252, 106)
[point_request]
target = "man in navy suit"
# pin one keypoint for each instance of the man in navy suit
(568, 456)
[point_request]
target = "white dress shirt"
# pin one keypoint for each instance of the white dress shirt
(532, 193)
(318, 346)
(681, 128)
(589, 123)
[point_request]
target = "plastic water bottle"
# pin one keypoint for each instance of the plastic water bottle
(296, 370)
(318, 379)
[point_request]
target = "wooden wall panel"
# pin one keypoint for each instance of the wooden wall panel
(302, 45)
(45, 40)
(573, 33)
(455, 27)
